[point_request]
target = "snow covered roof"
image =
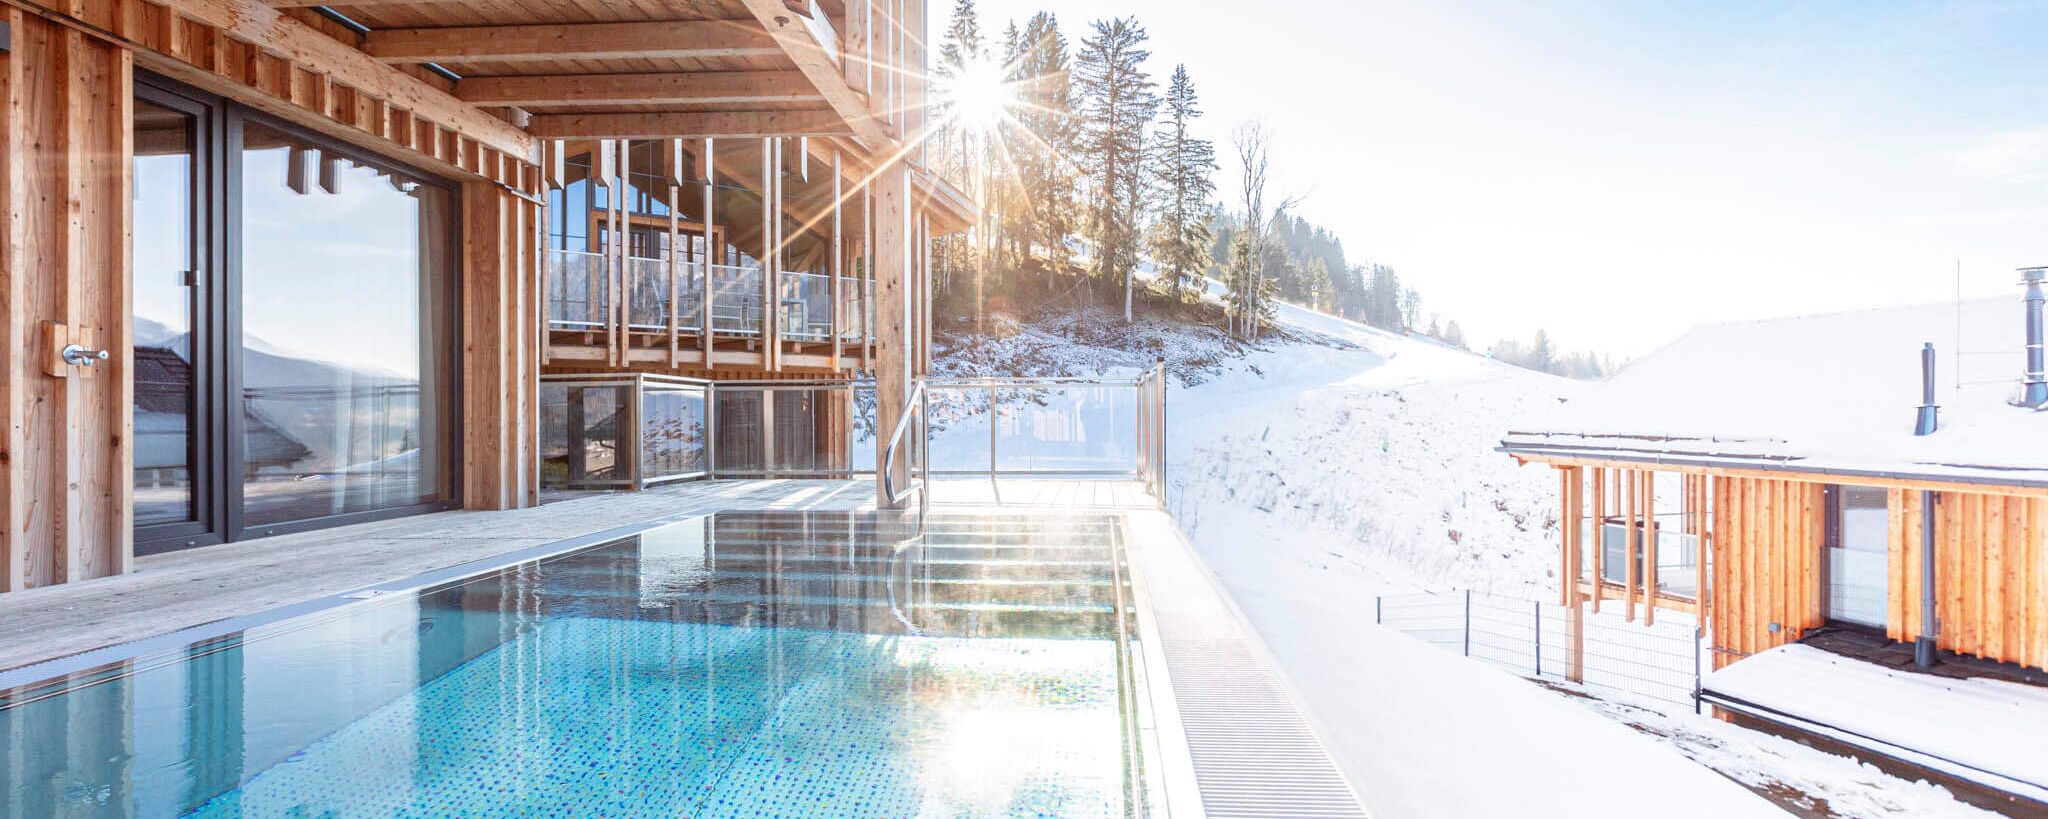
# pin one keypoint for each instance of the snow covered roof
(1833, 393)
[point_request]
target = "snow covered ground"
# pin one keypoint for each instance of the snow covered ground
(1316, 472)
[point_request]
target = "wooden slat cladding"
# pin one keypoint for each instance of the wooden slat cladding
(65, 459)
(1766, 564)
(256, 55)
(1991, 574)
(501, 300)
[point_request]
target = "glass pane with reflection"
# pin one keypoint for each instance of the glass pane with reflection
(166, 384)
(345, 350)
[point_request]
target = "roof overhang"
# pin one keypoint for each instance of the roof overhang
(657, 69)
(1702, 456)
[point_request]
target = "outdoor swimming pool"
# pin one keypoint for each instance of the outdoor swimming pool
(773, 664)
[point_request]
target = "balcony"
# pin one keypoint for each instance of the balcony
(659, 296)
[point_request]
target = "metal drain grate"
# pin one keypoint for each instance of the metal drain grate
(1253, 752)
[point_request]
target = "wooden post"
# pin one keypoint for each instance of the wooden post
(712, 252)
(771, 200)
(1567, 574)
(1599, 535)
(675, 273)
(870, 297)
(624, 238)
(1649, 547)
(1632, 540)
(838, 268)
(892, 254)
(1702, 551)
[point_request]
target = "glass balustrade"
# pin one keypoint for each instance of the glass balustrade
(579, 298)
(578, 290)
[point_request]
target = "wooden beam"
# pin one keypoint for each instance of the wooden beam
(789, 31)
(688, 125)
(304, 4)
(271, 31)
(667, 39)
(718, 87)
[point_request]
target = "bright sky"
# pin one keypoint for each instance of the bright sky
(1617, 172)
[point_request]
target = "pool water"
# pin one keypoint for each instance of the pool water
(756, 665)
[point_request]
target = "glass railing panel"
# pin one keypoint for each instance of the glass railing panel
(806, 306)
(790, 430)
(672, 432)
(578, 290)
(961, 422)
(582, 437)
(1678, 553)
(647, 293)
(852, 308)
(736, 299)
(1067, 429)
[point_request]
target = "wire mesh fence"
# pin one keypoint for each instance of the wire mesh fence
(1659, 662)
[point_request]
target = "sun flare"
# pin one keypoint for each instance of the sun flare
(979, 96)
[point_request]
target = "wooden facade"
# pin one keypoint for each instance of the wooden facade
(470, 97)
(1763, 556)
(1991, 573)
(64, 481)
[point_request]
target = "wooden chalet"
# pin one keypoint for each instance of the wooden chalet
(1872, 484)
(347, 241)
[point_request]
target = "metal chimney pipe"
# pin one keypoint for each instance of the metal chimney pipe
(1928, 419)
(1924, 643)
(2035, 393)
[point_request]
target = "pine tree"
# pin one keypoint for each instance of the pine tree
(1042, 151)
(1542, 356)
(1116, 102)
(1454, 335)
(1183, 183)
(961, 47)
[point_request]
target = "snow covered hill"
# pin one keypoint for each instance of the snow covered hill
(1333, 462)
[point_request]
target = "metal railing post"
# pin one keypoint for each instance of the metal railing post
(991, 433)
(1379, 609)
(1538, 606)
(1468, 622)
(711, 430)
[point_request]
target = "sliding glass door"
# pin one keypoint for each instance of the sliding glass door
(325, 335)
(171, 338)
(343, 318)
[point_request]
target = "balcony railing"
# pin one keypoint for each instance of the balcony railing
(580, 294)
(633, 430)
(1678, 554)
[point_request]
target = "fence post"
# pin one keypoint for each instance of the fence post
(1696, 671)
(1538, 605)
(1468, 622)
(1379, 609)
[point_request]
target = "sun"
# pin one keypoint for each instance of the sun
(979, 96)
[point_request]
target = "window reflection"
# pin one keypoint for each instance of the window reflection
(165, 382)
(343, 347)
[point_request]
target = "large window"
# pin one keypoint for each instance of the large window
(168, 352)
(295, 330)
(343, 261)
(1858, 555)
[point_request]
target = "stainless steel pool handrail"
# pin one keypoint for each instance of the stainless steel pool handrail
(918, 404)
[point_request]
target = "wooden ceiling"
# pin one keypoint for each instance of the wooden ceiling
(585, 67)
